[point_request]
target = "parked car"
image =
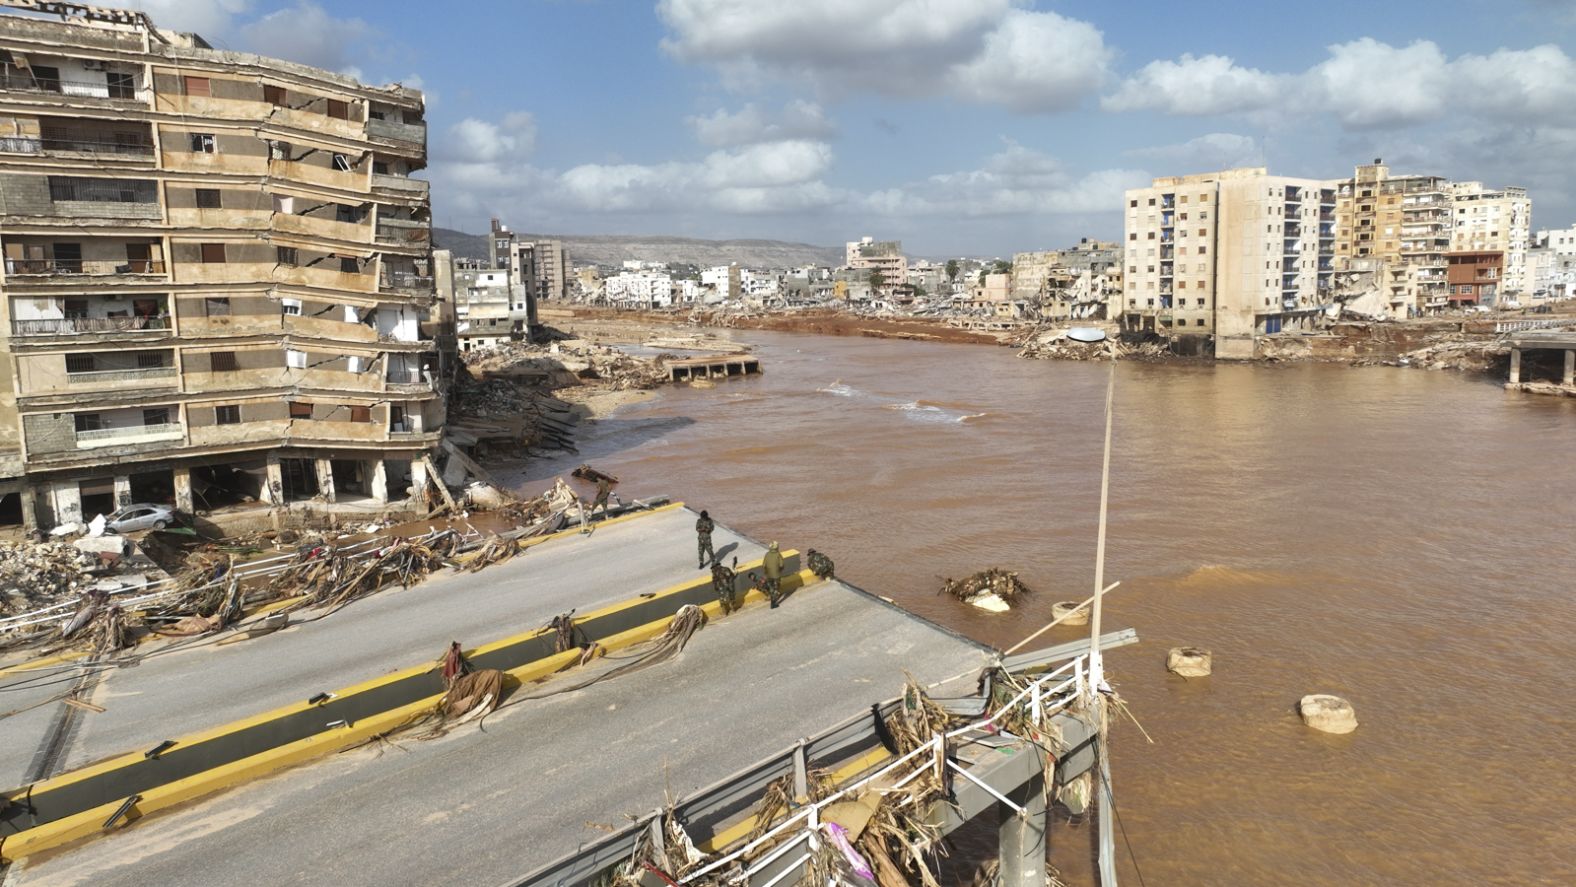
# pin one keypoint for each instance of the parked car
(140, 517)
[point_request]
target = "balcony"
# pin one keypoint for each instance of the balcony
(403, 231)
(407, 187)
(130, 434)
(397, 130)
(68, 326)
(82, 267)
(404, 281)
(131, 374)
(408, 381)
(73, 88)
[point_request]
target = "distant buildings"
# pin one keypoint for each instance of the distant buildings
(1551, 264)
(884, 256)
(1400, 229)
(1498, 220)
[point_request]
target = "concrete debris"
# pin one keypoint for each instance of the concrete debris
(1189, 662)
(1328, 714)
(1070, 613)
(40, 574)
(995, 589)
(1055, 345)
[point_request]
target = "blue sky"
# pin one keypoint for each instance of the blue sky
(961, 126)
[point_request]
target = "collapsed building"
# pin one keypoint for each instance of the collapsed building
(217, 269)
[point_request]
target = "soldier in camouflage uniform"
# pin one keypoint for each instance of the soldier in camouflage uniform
(603, 489)
(722, 582)
(819, 564)
(772, 566)
(703, 528)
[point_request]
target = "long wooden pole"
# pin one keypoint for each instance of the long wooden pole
(1105, 498)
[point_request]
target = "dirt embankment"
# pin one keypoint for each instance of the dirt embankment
(586, 321)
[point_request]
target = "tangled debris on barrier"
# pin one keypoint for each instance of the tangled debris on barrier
(994, 589)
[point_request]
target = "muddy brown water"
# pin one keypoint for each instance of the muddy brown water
(1403, 538)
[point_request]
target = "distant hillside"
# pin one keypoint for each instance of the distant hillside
(613, 249)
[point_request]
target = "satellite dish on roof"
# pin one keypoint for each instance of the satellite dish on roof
(1086, 334)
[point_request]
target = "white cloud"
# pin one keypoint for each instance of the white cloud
(1216, 150)
(480, 141)
(1209, 84)
(210, 18)
(770, 177)
(1035, 61)
(986, 51)
(798, 119)
(306, 33)
(1366, 84)
(1015, 181)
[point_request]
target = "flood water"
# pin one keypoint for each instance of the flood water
(1398, 537)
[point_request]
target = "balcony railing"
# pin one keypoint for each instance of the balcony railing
(404, 280)
(87, 89)
(29, 145)
(90, 267)
(403, 231)
(128, 374)
(101, 437)
(397, 129)
(60, 326)
(400, 183)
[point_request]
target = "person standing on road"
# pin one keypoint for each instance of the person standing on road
(703, 528)
(772, 566)
(726, 586)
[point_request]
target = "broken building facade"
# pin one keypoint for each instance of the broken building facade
(216, 272)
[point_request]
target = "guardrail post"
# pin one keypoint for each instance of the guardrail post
(801, 772)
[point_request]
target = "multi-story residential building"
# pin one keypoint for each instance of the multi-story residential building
(723, 281)
(1475, 277)
(552, 268)
(1494, 220)
(216, 270)
(639, 289)
(1400, 229)
(1551, 264)
(886, 256)
(1226, 256)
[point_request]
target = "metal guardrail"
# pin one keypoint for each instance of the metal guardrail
(85, 89)
(124, 374)
(703, 812)
(1543, 323)
(129, 432)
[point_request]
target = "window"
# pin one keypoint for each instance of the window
(361, 414)
(397, 418)
(291, 307)
(156, 416)
(213, 254)
(349, 265)
(1201, 250)
(289, 255)
(1133, 236)
(274, 95)
(149, 360)
(338, 110)
(376, 115)
(196, 86)
(227, 415)
(80, 363)
(295, 359)
(380, 167)
(300, 410)
(1200, 321)
(342, 162)
(344, 212)
(1132, 204)
(216, 306)
(88, 422)
(202, 142)
(208, 198)
(221, 362)
(121, 85)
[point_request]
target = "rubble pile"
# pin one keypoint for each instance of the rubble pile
(1056, 346)
(1479, 357)
(993, 589)
(34, 575)
(567, 363)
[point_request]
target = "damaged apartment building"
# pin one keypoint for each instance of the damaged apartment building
(216, 272)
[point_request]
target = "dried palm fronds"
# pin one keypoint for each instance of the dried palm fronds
(1004, 584)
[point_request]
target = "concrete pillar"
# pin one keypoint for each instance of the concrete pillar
(1021, 839)
(380, 481)
(325, 479)
(68, 502)
(183, 491)
(418, 482)
(274, 488)
(29, 498)
(1515, 366)
(122, 490)
(1570, 367)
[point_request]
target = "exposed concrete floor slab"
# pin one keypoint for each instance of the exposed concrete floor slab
(544, 776)
(208, 685)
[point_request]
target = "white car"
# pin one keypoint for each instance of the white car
(140, 517)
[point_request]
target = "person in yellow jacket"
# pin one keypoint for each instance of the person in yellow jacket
(772, 566)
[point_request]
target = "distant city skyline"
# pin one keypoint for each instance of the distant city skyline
(977, 127)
